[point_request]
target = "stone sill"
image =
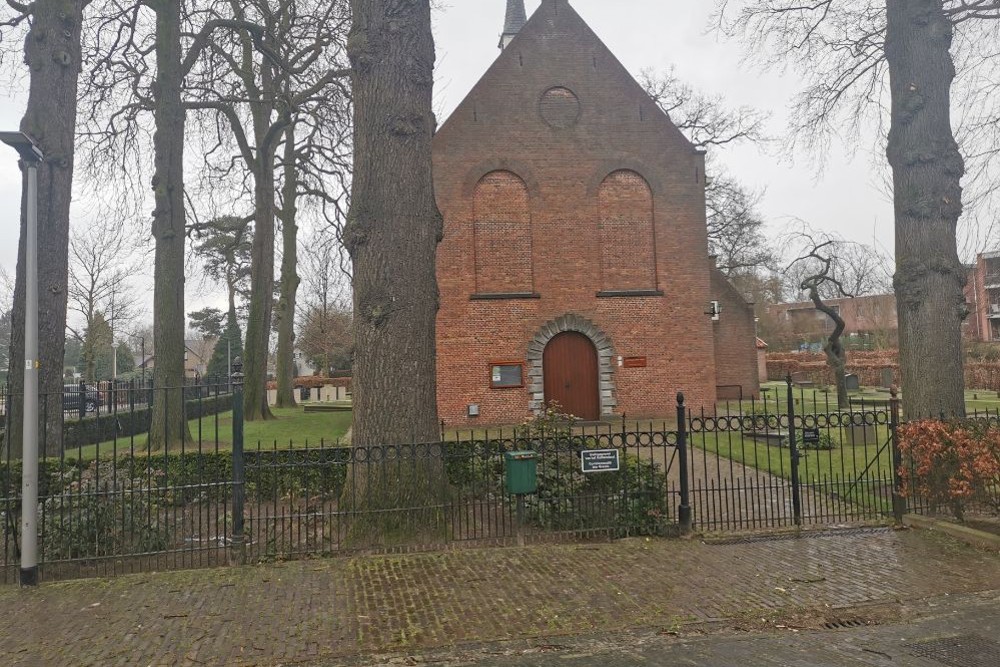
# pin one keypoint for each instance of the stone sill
(502, 296)
(610, 294)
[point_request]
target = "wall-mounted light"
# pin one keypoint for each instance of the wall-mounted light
(714, 310)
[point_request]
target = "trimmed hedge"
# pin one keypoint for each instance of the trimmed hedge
(980, 373)
(101, 428)
(187, 477)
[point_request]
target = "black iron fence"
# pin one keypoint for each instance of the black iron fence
(79, 400)
(115, 498)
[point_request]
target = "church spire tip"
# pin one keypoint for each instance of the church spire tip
(513, 22)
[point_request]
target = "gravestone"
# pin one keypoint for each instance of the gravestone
(853, 384)
(887, 378)
(802, 379)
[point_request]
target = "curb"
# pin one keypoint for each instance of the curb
(971, 536)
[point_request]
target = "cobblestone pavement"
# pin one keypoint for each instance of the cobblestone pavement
(960, 631)
(306, 611)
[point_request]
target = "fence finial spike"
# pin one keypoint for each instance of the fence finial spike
(680, 398)
(894, 391)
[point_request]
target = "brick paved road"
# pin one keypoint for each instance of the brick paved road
(969, 624)
(293, 612)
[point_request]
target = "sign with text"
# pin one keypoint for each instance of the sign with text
(810, 435)
(635, 362)
(600, 460)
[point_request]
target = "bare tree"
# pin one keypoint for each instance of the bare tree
(862, 270)
(179, 36)
(704, 119)
(735, 227)
(101, 284)
(819, 276)
(325, 321)
(894, 64)
(52, 54)
(315, 166)
(256, 83)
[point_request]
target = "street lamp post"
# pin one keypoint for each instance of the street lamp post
(31, 157)
(114, 361)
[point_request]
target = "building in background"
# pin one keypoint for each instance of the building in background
(870, 323)
(982, 296)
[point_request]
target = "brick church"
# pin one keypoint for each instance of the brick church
(574, 267)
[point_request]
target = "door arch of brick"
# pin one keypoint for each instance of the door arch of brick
(605, 360)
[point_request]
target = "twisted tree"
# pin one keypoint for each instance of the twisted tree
(893, 64)
(818, 277)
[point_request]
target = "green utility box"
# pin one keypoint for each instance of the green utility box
(522, 472)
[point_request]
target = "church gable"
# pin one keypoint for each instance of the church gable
(557, 74)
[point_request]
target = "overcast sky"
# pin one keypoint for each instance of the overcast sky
(847, 197)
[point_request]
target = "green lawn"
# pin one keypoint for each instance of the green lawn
(844, 461)
(291, 428)
(824, 399)
(855, 472)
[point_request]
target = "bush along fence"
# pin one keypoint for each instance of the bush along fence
(126, 505)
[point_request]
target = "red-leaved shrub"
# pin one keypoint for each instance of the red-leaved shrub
(950, 463)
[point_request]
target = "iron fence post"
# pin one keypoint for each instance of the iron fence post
(684, 511)
(83, 399)
(898, 500)
(793, 449)
(239, 472)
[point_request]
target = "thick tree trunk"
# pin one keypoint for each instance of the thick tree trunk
(927, 170)
(168, 426)
(285, 364)
(392, 233)
(394, 225)
(52, 53)
(258, 333)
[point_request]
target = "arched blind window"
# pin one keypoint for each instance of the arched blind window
(628, 258)
(503, 235)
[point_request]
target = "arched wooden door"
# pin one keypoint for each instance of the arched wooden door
(569, 366)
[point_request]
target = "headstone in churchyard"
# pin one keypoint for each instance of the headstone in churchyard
(802, 379)
(887, 378)
(862, 436)
(853, 384)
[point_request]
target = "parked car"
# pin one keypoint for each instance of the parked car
(71, 398)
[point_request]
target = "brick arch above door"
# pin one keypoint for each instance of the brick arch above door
(605, 360)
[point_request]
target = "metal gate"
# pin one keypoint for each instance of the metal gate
(793, 462)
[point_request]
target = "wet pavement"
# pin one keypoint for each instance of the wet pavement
(322, 611)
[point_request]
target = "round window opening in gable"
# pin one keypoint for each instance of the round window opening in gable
(560, 107)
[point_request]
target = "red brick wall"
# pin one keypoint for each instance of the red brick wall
(737, 373)
(499, 127)
(503, 234)
(626, 225)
